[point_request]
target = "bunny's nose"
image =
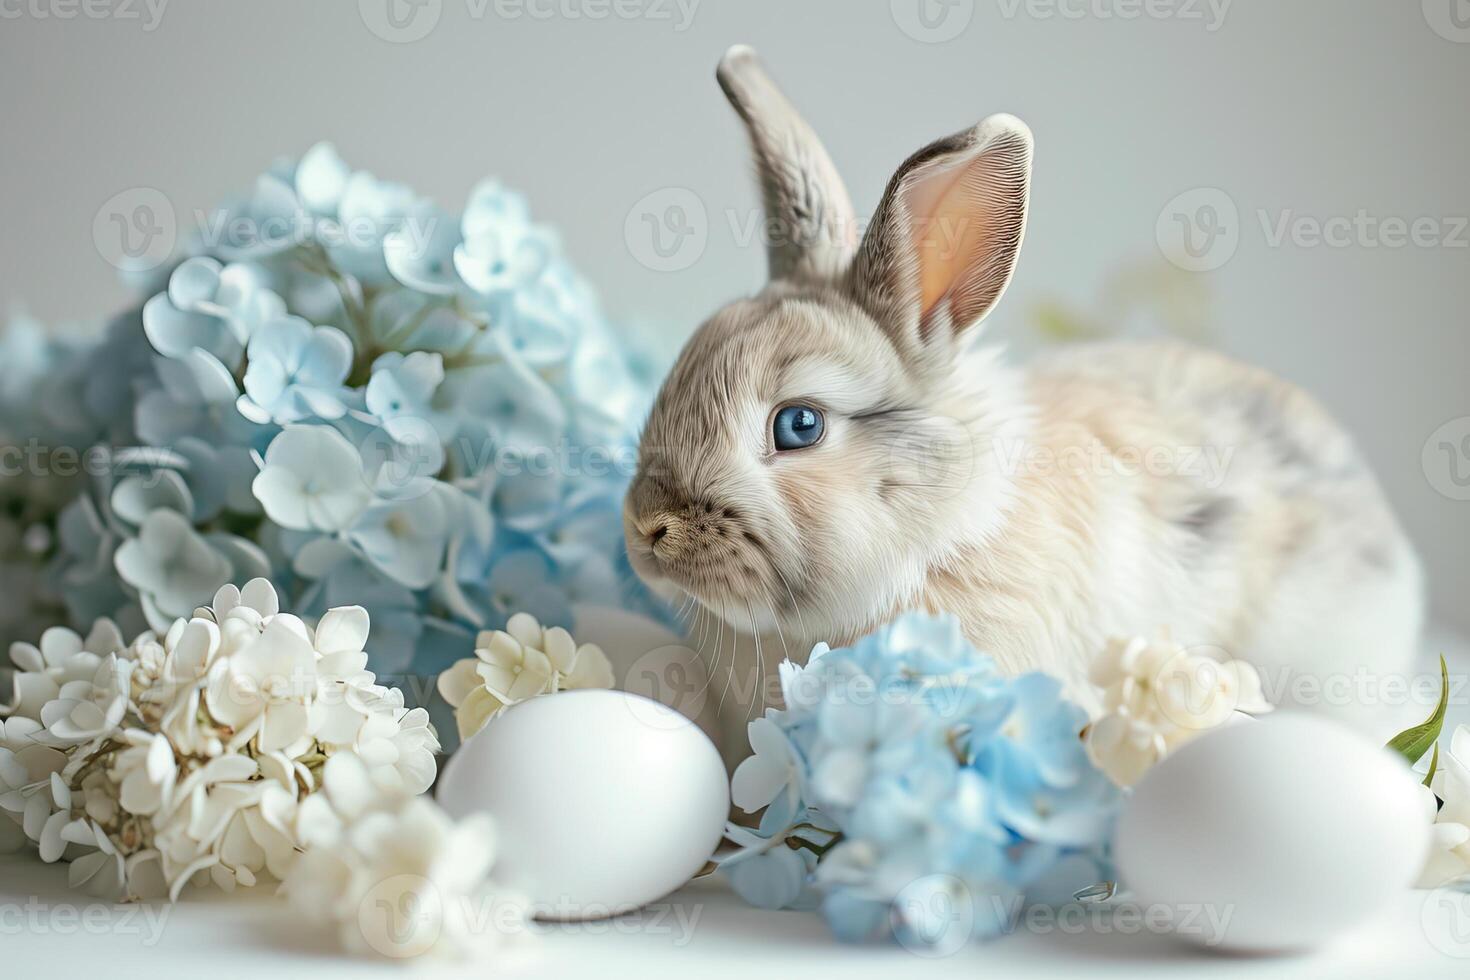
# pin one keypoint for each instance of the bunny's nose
(665, 533)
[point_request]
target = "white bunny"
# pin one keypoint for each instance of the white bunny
(835, 450)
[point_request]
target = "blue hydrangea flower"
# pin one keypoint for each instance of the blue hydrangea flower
(945, 783)
(296, 372)
(269, 221)
(176, 569)
(311, 478)
(407, 539)
(401, 394)
(420, 253)
(325, 390)
(368, 211)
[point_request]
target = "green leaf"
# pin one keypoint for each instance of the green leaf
(1433, 766)
(1412, 743)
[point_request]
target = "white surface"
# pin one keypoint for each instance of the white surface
(706, 933)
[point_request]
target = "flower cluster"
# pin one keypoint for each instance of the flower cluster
(522, 661)
(193, 754)
(1447, 806)
(910, 789)
(1157, 695)
(391, 874)
(345, 389)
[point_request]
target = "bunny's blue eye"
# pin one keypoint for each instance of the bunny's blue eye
(797, 426)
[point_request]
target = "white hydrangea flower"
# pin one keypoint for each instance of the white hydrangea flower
(26, 768)
(522, 661)
(1447, 808)
(263, 690)
(393, 874)
(91, 708)
(194, 754)
(1157, 695)
(41, 670)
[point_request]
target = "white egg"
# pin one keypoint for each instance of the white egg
(603, 801)
(1272, 835)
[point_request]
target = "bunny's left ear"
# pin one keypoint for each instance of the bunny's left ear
(944, 241)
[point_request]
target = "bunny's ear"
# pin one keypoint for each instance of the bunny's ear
(809, 217)
(944, 240)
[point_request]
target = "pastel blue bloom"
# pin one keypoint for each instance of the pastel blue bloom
(401, 394)
(771, 776)
(405, 320)
(270, 220)
(529, 497)
(396, 612)
(501, 257)
(540, 328)
(296, 372)
(311, 479)
(407, 539)
(196, 395)
(85, 574)
(504, 406)
(313, 393)
(368, 210)
(956, 792)
(770, 879)
(525, 581)
(175, 569)
(218, 477)
(420, 253)
(135, 497)
(319, 179)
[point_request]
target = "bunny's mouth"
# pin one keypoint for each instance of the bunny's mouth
(744, 602)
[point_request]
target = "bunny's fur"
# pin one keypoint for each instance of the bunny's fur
(1106, 490)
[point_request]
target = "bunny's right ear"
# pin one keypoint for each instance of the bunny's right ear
(809, 217)
(944, 241)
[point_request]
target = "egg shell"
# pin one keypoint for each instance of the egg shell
(1293, 827)
(603, 801)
